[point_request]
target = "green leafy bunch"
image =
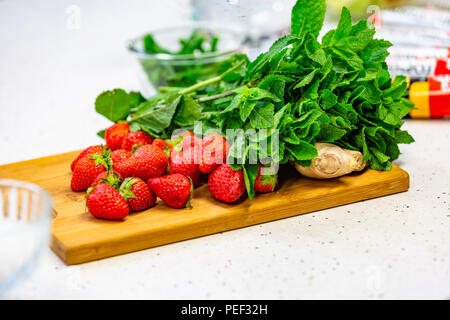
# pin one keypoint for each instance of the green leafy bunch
(300, 92)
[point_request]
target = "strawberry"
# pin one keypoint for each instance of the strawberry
(174, 189)
(160, 143)
(88, 168)
(214, 153)
(226, 184)
(265, 183)
(192, 145)
(137, 194)
(146, 162)
(184, 164)
(191, 142)
(115, 135)
(89, 150)
(105, 202)
(135, 139)
(119, 156)
(110, 177)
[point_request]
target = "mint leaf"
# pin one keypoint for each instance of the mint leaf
(330, 133)
(156, 118)
(150, 45)
(246, 109)
(344, 26)
(250, 174)
(257, 67)
(307, 17)
(262, 115)
(403, 137)
(306, 80)
(302, 151)
(101, 133)
(188, 111)
(114, 105)
(327, 99)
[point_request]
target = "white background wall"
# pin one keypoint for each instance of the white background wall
(51, 69)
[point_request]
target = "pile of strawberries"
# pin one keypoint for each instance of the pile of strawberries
(134, 168)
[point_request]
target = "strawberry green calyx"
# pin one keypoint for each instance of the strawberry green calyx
(271, 180)
(88, 191)
(107, 177)
(178, 145)
(167, 151)
(113, 179)
(188, 202)
(104, 158)
(125, 188)
(135, 147)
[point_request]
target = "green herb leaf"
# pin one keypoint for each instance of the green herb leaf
(114, 105)
(307, 17)
(250, 174)
(156, 118)
(262, 115)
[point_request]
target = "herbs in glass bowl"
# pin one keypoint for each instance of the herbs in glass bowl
(182, 56)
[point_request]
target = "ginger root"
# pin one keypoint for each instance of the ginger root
(332, 162)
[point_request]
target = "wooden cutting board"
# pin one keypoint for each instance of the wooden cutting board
(78, 237)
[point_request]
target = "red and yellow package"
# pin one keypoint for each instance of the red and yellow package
(431, 98)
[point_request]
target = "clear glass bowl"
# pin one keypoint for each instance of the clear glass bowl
(162, 69)
(25, 216)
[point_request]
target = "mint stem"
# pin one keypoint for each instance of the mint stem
(205, 83)
(216, 96)
(199, 85)
(226, 93)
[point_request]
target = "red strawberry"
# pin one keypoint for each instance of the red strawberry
(136, 138)
(137, 194)
(115, 135)
(226, 184)
(174, 189)
(110, 177)
(265, 183)
(105, 202)
(85, 152)
(160, 143)
(184, 164)
(214, 152)
(87, 169)
(146, 162)
(194, 145)
(119, 156)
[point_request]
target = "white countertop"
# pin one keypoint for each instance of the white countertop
(391, 247)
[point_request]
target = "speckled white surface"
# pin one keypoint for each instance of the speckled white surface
(392, 247)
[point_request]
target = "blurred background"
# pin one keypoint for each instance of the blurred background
(57, 56)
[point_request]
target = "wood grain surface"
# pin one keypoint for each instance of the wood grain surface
(78, 237)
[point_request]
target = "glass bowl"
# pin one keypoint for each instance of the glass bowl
(163, 69)
(25, 216)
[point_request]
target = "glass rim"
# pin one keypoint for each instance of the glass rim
(131, 44)
(47, 204)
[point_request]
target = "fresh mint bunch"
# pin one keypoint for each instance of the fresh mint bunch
(300, 91)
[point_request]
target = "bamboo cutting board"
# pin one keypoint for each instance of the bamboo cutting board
(78, 237)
